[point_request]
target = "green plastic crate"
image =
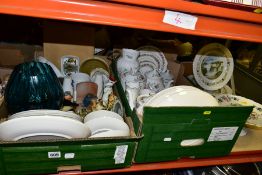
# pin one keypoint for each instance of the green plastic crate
(50, 156)
(164, 129)
(47, 157)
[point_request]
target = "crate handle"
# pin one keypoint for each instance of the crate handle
(66, 169)
(192, 142)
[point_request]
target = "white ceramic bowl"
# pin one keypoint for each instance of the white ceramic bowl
(182, 96)
(80, 77)
(112, 133)
(101, 114)
(102, 124)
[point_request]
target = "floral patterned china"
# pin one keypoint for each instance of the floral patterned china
(255, 118)
(156, 54)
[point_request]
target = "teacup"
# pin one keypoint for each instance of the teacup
(155, 83)
(144, 96)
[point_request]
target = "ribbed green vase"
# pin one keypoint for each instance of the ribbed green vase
(33, 85)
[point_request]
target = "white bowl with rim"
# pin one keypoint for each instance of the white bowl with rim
(102, 114)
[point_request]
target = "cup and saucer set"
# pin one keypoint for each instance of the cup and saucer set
(143, 73)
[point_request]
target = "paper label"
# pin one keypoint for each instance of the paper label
(222, 134)
(167, 139)
(180, 19)
(120, 154)
(54, 155)
(69, 155)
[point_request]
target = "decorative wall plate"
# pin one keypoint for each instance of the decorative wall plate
(255, 118)
(155, 53)
(213, 66)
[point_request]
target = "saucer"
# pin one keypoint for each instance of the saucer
(213, 66)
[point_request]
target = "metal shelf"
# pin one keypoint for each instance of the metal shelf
(198, 8)
(115, 14)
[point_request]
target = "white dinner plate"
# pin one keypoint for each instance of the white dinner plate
(102, 124)
(45, 112)
(26, 127)
(255, 118)
(156, 53)
(213, 66)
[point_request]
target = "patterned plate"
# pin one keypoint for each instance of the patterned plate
(155, 53)
(255, 119)
(213, 66)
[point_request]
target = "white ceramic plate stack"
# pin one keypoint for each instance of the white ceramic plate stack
(255, 119)
(43, 124)
(182, 96)
(104, 123)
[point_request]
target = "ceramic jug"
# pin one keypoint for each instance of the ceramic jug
(128, 63)
(154, 81)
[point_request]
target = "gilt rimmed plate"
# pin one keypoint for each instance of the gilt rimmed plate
(255, 119)
(155, 53)
(42, 126)
(213, 66)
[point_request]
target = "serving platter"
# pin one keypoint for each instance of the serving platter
(45, 112)
(47, 126)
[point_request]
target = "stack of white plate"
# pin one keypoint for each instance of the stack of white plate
(182, 96)
(104, 123)
(43, 124)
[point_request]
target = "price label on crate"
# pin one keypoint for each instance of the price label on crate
(180, 19)
(222, 134)
(120, 154)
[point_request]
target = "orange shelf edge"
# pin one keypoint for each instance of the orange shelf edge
(128, 16)
(198, 8)
(234, 158)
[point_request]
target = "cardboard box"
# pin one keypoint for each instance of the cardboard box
(62, 39)
(13, 54)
